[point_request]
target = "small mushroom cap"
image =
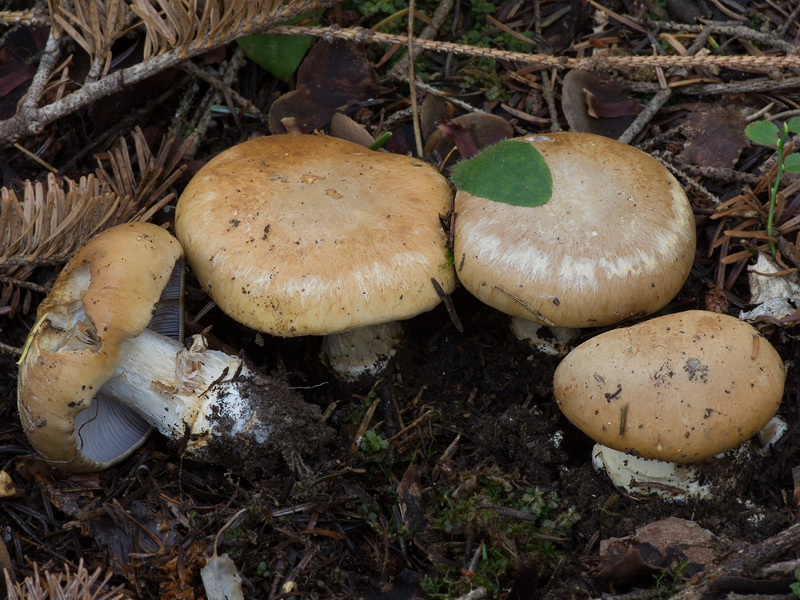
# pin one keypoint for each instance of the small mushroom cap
(105, 295)
(616, 238)
(679, 388)
(309, 235)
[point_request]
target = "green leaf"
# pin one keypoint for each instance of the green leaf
(763, 132)
(791, 164)
(793, 124)
(279, 54)
(512, 172)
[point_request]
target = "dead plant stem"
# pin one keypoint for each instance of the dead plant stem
(193, 69)
(399, 71)
(644, 117)
(412, 87)
(31, 119)
(600, 63)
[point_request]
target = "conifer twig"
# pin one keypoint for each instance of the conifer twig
(598, 63)
(173, 35)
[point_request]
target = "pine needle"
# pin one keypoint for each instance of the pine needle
(66, 585)
(48, 221)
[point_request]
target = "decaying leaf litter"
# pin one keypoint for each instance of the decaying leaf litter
(454, 473)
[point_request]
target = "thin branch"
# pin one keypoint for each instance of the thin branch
(28, 110)
(193, 69)
(732, 87)
(400, 71)
(31, 119)
(732, 30)
(601, 63)
(30, 18)
(412, 81)
(643, 118)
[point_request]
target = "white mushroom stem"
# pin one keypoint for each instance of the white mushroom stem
(361, 351)
(559, 343)
(650, 476)
(185, 394)
(674, 481)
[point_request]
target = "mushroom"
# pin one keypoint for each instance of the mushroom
(616, 238)
(676, 389)
(309, 235)
(94, 377)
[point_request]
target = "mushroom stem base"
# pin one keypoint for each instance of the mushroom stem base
(674, 481)
(363, 351)
(213, 406)
(193, 396)
(558, 343)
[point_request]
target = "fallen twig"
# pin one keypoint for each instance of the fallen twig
(743, 562)
(31, 119)
(599, 62)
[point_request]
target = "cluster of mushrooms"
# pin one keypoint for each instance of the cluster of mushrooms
(310, 235)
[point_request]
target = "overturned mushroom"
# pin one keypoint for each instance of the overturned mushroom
(592, 106)
(94, 377)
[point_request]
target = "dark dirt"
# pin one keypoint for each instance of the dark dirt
(294, 428)
(482, 388)
(484, 413)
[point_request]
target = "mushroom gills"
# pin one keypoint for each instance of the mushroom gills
(168, 318)
(108, 428)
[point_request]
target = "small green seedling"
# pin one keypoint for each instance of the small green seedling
(512, 172)
(668, 581)
(767, 133)
(795, 587)
(372, 442)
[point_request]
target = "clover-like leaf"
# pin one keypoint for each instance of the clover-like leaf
(764, 133)
(791, 164)
(279, 54)
(511, 171)
(793, 124)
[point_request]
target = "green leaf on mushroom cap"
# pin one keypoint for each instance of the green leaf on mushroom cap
(511, 172)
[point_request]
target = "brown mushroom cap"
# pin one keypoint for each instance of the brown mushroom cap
(105, 295)
(308, 235)
(679, 388)
(616, 238)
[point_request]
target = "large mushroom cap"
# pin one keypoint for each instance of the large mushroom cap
(680, 388)
(616, 238)
(107, 294)
(308, 235)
